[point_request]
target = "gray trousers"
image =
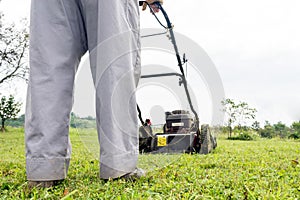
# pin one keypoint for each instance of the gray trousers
(61, 32)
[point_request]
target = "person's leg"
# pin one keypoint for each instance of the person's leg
(57, 42)
(114, 45)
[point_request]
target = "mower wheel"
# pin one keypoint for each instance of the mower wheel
(205, 139)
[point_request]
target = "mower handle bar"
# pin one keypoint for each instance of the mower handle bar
(172, 37)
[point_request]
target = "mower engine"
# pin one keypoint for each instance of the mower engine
(178, 121)
(179, 135)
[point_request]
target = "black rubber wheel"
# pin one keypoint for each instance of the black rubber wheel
(205, 139)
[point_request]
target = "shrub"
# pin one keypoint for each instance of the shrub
(294, 136)
(243, 136)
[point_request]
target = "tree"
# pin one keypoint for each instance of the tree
(268, 131)
(295, 130)
(281, 130)
(244, 113)
(13, 52)
(237, 113)
(255, 126)
(9, 109)
(296, 127)
(230, 112)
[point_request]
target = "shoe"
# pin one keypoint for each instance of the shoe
(136, 174)
(43, 184)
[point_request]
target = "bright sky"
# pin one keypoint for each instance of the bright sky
(254, 45)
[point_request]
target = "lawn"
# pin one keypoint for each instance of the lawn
(260, 169)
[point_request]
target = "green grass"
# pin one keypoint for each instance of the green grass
(260, 169)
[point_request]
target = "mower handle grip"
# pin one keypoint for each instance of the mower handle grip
(156, 2)
(141, 3)
(159, 6)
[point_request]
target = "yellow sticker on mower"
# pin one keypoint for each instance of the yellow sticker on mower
(161, 141)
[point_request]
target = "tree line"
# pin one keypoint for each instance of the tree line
(75, 121)
(240, 120)
(235, 128)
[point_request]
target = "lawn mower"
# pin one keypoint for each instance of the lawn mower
(181, 132)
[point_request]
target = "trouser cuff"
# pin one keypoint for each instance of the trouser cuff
(42, 169)
(117, 166)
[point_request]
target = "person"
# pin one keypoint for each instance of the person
(61, 32)
(148, 122)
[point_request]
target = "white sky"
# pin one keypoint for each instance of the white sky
(254, 45)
